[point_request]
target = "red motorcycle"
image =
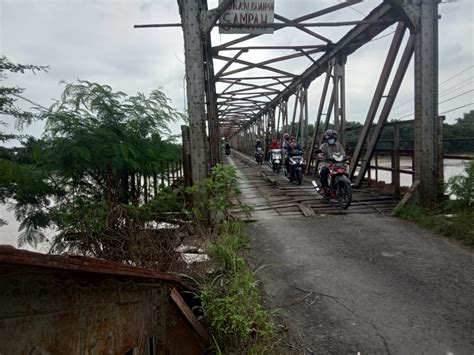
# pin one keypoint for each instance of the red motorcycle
(340, 187)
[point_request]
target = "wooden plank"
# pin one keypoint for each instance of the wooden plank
(307, 211)
(289, 209)
(408, 196)
(291, 214)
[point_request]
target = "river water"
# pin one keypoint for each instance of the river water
(9, 232)
(452, 167)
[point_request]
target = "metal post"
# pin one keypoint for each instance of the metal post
(426, 104)
(376, 166)
(300, 130)
(328, 117)
(396, 159)
(342, 99)
(278, 123)
(193, 50)
(294, 111)
(188, 177)
(336, 78)
(318, 118)
(440, 158)
(305, 126)
(213, 121)
(424, 17)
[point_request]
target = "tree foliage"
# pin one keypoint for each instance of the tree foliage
(94, 175)
(9, 95)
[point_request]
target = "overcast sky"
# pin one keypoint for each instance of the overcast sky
(95, 40)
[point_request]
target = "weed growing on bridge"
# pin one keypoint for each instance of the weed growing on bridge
(220, 191)
(230, 300)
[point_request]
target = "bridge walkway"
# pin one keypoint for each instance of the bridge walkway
(271, 194)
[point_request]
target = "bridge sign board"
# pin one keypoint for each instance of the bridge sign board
(253, 13)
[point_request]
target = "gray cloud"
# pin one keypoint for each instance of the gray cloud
(95, 40)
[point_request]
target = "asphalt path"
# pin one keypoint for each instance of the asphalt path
(366, 283)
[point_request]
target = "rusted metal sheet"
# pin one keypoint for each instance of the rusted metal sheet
(77, 305)
(176, 297)
(11, 255)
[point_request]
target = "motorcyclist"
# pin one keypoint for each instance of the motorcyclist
(286, 141)
(293, 147)
(328, 148)
(286, 148)
(258, 144)
(275, 144)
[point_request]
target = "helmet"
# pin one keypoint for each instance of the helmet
(330, 133)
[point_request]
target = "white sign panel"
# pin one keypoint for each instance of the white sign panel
(252, 13)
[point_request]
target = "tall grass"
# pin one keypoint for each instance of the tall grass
(455, 216)
(231, 300)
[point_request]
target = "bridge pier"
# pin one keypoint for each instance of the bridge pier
(193, 50)
(423, 15)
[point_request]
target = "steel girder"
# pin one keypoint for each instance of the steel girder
(266, 92)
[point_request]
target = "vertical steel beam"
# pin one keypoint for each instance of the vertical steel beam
(426, 103)
(322, 101)
(336, 77)
(186, 156)
(328, 117)
(278, 122)
(440, 157)
(212, 112)
(392, 94)
(300, 130)
(374, 105)
(396, 159)
(193, 50)
(342, 100)
(305, 134)
(294, 111)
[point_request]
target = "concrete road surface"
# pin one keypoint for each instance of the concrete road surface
(366, 283)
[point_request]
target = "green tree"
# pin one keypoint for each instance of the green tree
(92, 168)
(9, 95)
(459, 137)
(12, 175)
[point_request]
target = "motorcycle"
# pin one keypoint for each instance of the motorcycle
(340, 187)
(259, 155)
(275, 160)
(296, 164)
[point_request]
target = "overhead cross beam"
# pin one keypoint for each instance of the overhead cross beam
(353, 40)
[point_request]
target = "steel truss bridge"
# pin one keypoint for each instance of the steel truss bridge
(242, 89)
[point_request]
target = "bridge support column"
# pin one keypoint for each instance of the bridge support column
(194, 57)
(424, 17)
